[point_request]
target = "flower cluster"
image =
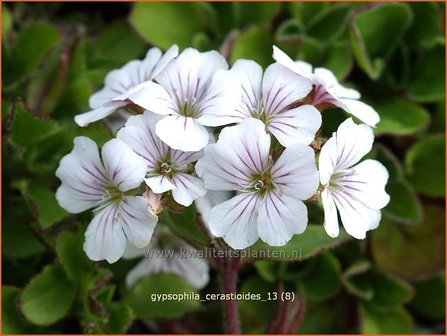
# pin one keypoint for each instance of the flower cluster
(239, 142)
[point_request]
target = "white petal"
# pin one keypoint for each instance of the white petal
(187, 189)
(139, 134)
(327, 160)
(125, 168)
(298, 125)
(146, 68)
(282, 58)
(152, 97)
(183, 133)
(211, 199)
(159, 183)
(182, 159)
(168, 56)
(362, 111)
(236, 220)
(104, 238)
(240, 151)
(136, 220)
(295, 173)
(83, 177)
(84, 119)
(366, 183)
(330, 214)
(220, 104)
(282, 87)
(98, 99)
(119, 80)
(132, 252)
(280, 217)
(355, 216)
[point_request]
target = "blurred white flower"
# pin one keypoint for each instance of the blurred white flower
(89, 183)
(192, 87)
(328, 90)
(358, 192)
(166, 168)
(211, 199)
(168, 254)
(269, 201)
(267, 96)
(122, 84)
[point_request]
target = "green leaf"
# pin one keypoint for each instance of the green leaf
(404, 205)
(7, 20)
(143, 299)
(339, 60)
(255, 44)
(394, 244)
(48, 297)
(427, 25)
(12, 321)
(163, 23)
(330, 24)
(429, 301)
(69, 248)
(257, 13)
(375, 34)
(43, 203)
(396, 321)
(323, 281)
(311, 242)
(184, 225)
(120, 43)
(425, 166)
(308, 12)
(33, 43)
(28, 129)
(401, 117)
(427, 83)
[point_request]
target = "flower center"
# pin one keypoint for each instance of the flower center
(262, 182)
(165, 168)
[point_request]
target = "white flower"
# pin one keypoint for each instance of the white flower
(211, 199)
(328, 90)
(89, 183)
(269, 201)
(268, 96)
(192, 86)
(120, 85)
(165, 168)
(358, 192)
(168, 254)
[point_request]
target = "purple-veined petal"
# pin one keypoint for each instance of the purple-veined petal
(240, 152)
(187, 189)
(159, 183)
(136, 220)
(280, 217)
(327, 160)
(181, 159)
(282, 87)
(84, 119)
(366, 183)
(168, 56)
(98, 99)
(124, 167)
(104, 238)
(333, 86)
(236, 220)
(146, 68)
(139, 134)
(360, 110)
(182, 133)
(297, 125)
(206, 203)
(83, 177)
(282, 58)
(356, 217)
(295, 173)
(330, 214)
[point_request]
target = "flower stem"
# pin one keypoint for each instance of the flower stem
(228, 270)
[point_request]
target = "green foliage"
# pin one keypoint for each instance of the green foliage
(55, 56)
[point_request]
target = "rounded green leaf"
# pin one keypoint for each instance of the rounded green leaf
(162, 295)
(48, 297)
(12, 321)
(404, 205)
(394, 245)
(429, 301)
(6, 20)
(260, 13)
(425, 166)
(401, 117)
(396, 321)
(255, 44)
(376, 32)
(166, 23)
